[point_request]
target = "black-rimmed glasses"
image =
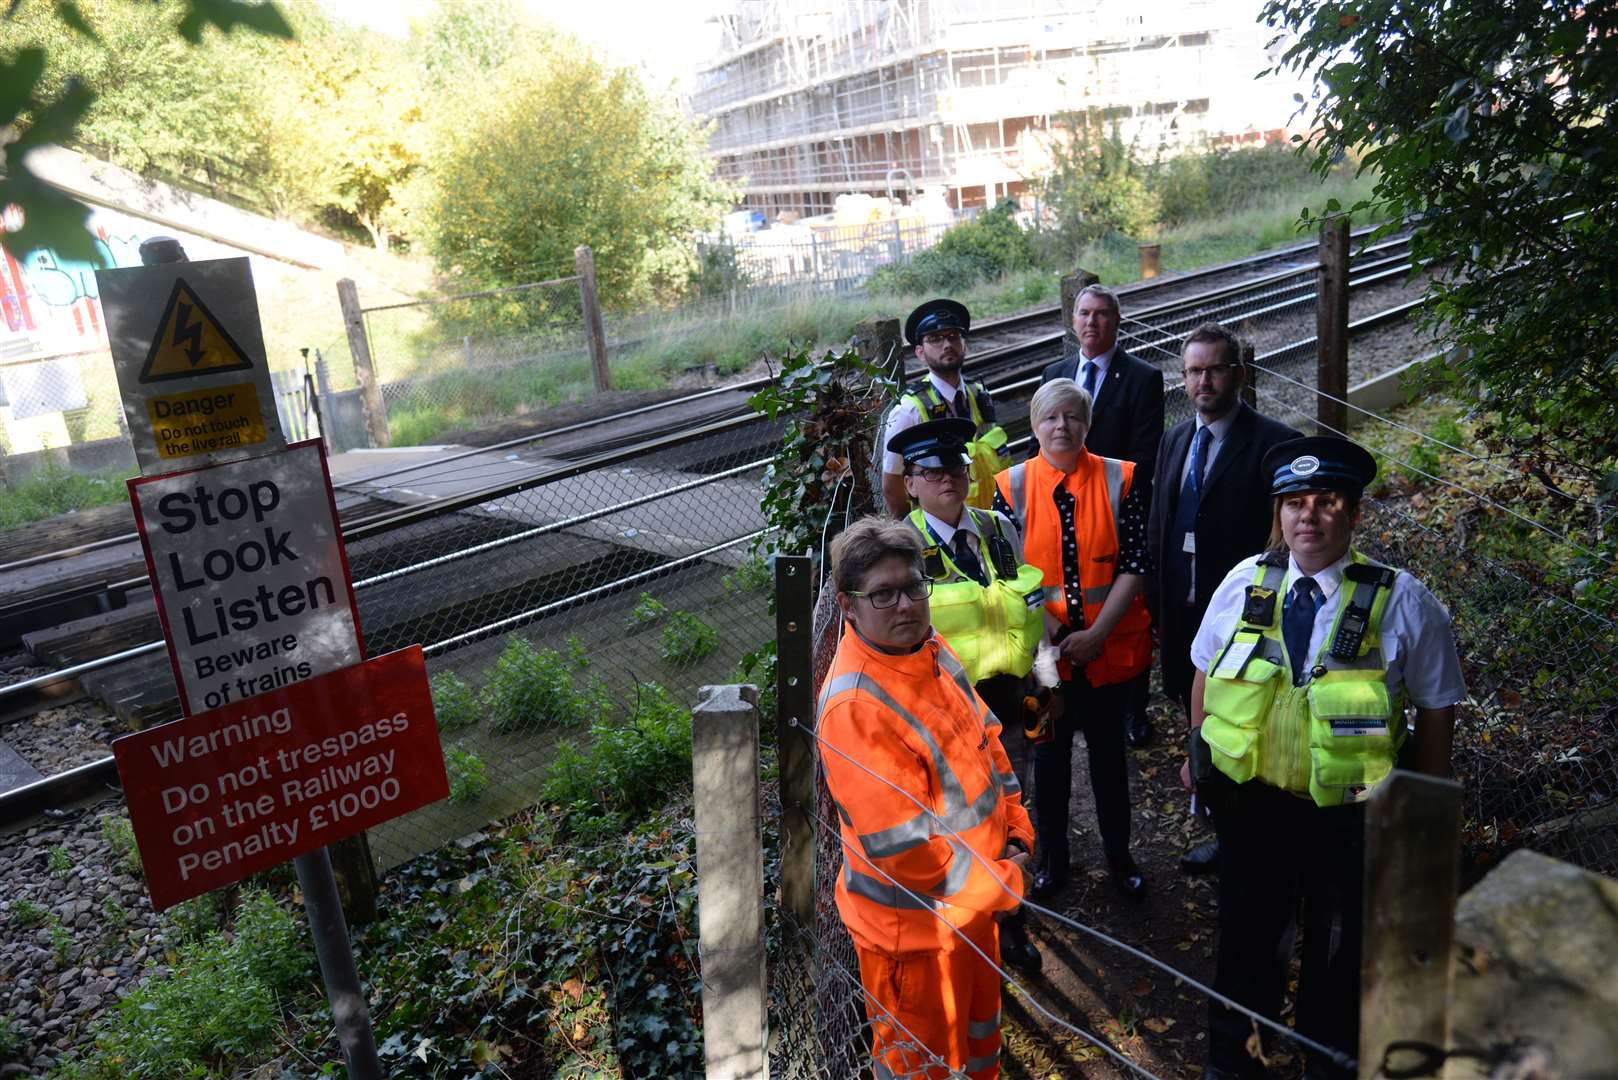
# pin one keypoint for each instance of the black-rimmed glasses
(917, 590)
(933, 476)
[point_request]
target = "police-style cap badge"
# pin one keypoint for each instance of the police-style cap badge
(937, 444)
(1319, 463)
(936, 315)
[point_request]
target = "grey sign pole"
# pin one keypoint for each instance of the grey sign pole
(320, 900)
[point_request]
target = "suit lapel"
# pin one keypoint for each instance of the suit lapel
(1236, 441)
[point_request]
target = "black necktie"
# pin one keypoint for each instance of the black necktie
(967, 559)
(1091, 370)
(962, 409)
(1298, 623)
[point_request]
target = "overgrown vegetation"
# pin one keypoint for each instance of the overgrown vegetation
(55, 490)
(531, 688)
(468, 775)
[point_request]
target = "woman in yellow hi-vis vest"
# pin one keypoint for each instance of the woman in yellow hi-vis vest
(1305, 661)
(987, 604)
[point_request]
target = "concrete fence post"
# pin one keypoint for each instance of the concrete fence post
(1412, 870)
(876, 339)
(1072, 285)
(595, 331)
(730, 881)
(1331, 326)
(359, 344)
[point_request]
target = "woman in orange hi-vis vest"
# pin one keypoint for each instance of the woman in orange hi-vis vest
(1083, 523)
(935, 838)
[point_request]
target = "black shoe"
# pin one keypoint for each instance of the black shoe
(1127, 877)
(1022, 955)
(1047, 883)
(1138, 730)
(1202, 859)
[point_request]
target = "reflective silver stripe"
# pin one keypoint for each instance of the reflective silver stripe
(987, 1061)
(1019, 497)
(900, 838)
(954, 794)
(881, 892)
(1097, 595)
(1008, 783)
(957, 671)
(970, 817)
(1113, 471)
(956, 873)
(882, 1072)
(983, 1029)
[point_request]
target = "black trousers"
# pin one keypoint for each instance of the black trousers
(1278, 851)
(1003, 695)
(1097, 711)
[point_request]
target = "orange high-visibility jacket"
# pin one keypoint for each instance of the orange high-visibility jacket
(1098, 486)
(914, 725)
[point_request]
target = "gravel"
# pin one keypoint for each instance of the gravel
(65, 737)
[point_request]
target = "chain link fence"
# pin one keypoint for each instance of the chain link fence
(52, 402)
(602, 591)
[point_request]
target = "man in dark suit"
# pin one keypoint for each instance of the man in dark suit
(1212, 508)
(1126, 411)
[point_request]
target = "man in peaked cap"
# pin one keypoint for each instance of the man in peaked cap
(1306, 662)
(937, 332)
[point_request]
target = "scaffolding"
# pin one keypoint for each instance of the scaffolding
(810, 100)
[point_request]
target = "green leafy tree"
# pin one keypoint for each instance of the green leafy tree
(558, 149)
(1097, 184)
(1493, 120)
(126, 74)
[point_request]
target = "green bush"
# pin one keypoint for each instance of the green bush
(55, 490)
(753, 575)
(1206, 185)
(648, 610)
(630, 767)
(27, 913)
(455, 704)
(987, 247)
(468, 776)
(532, 688)
(687, 639)
(217, 1009)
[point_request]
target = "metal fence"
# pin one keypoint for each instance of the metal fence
(600, 591)
(52, 402)
(839, 258)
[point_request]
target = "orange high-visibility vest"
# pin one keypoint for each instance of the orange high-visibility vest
(895, 731)
(1098, 486)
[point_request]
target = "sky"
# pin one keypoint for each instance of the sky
(669, 38)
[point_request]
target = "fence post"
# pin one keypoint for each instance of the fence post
(898, 243)
(1412, 863)
(876, 339)
(730, 881)
(1331, 325)
(1250, 387)
(1072, 285)
(595, 334)
(795, 678)
(376, 417)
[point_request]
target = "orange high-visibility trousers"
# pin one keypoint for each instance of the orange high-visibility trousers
(948, 1002)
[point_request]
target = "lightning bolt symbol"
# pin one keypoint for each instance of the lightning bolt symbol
(190, 336)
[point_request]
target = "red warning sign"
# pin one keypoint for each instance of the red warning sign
(223, 794)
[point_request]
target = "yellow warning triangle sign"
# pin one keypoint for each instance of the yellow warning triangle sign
(190, 341)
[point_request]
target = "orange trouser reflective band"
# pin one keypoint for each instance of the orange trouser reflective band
(948, 1002)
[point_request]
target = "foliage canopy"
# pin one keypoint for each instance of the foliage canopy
(1493, 122)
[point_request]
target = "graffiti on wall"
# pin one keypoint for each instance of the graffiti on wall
(49, 304)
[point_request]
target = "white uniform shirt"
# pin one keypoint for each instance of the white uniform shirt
(946, 533)
(904, 415)
(1417, 640)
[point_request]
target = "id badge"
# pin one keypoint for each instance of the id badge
(1190, 544)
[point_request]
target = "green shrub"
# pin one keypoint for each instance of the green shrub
(27, 913)
(687, 639)
(455, 704)
(629, 768)
(577, 654)
(194, 919)
(1193, 186)
(270, 943)
(753, 575)
(532, 688)
(62, 943)
(468, 776)
(648, 610)
(55, 490)
(120, 836)
(987, 247)
(58, 861)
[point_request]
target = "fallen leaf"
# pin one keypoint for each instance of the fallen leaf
(1141, 988)
(574, 989)
(1158, 1024)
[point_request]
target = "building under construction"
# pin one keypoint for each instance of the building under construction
(891, 97)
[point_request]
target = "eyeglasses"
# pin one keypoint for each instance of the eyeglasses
(920, 589)
(941, 336)
(933, 476)
(1194, 373)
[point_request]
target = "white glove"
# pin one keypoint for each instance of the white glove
(1045, 665)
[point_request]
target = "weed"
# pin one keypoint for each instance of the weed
(62, 943)
(27, 913)
(114, 914)
(649, 610)
(455, 704)
(55, 490)
(468, 776)
(120, 836)
(193, 920)
(759, 668)
(11, 1040)
(753, 575)
(532, 688)
(577, 654)
(687, 639)
(58, 861)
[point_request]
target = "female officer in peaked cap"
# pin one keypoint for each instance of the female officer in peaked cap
(1306, 661)
(987, 604)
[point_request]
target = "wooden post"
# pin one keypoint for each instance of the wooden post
(1412, 863)
(359, 345)
(1151, 260)
(730, 881)
(1331, 326)
(794, 672)
(876, 339)
(595, 333)
(351, 862)
(1072, 285)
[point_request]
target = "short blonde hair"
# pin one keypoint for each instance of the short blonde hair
(867, 542)
(1057, 394)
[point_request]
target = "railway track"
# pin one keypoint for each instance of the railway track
(546, 542)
